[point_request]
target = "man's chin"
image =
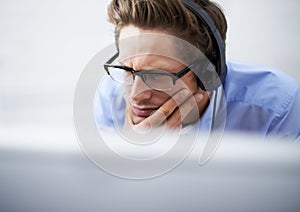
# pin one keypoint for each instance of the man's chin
(137, 119)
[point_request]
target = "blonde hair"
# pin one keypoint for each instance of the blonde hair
(169, 15)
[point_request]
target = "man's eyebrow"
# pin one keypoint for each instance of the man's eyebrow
(156, 65)
(123, 64)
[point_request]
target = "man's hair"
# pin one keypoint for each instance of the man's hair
(171, 16)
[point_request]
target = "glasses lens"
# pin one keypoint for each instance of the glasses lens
(120, 75)
(159, 81)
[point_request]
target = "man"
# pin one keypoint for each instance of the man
(250, 99)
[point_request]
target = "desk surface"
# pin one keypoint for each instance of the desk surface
(243, 175)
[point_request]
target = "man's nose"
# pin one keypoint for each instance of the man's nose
(140, 90)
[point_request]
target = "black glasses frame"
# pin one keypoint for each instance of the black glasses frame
(142, 73)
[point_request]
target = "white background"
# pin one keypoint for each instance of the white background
(44, 46)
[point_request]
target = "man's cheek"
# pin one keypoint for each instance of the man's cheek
(188, 83)
(127, 93)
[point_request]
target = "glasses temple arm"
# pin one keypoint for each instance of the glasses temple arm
(112, 58)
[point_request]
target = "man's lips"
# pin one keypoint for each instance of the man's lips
(143, 111)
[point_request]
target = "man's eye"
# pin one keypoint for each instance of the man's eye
(153, 76)
(158, 77)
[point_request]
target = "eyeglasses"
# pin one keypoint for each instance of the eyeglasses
(155, 79)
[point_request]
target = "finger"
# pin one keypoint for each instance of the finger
(174, 120)
(191, 110)
(161, 115)
(187, 112)
(174, 102)
(154, 120)
(202, 99)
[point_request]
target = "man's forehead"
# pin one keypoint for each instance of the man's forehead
(155, 62)
(134, 41)
(152, 44)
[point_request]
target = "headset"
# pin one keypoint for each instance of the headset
(208, 78)
(211, 80)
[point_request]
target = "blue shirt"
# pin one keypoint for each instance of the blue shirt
(257, 100)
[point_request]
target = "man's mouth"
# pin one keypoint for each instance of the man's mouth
(143, 111)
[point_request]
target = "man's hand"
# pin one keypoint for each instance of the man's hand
(181, 109)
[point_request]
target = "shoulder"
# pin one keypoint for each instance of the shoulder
(109, 105)
(260, 86)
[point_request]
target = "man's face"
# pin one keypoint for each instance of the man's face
(142, 100)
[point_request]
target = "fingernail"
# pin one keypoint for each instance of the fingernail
(199, 97)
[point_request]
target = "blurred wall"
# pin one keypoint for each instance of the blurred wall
(44, 46)
(264, 32)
